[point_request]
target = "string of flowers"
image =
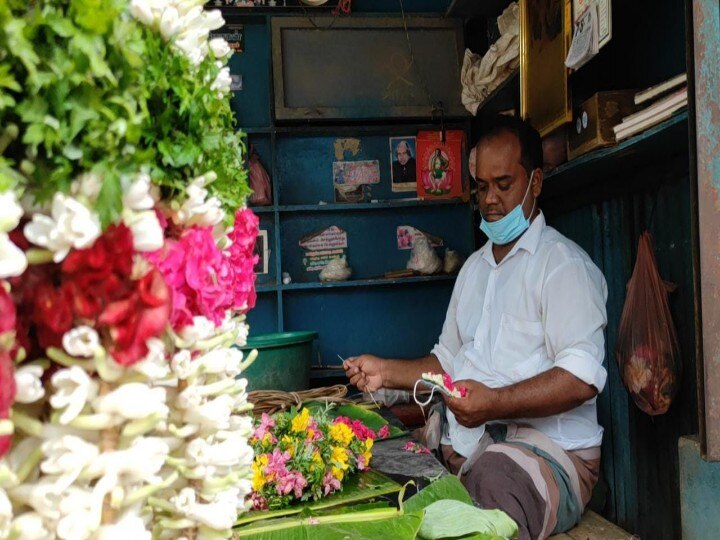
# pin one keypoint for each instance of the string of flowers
(126, 270)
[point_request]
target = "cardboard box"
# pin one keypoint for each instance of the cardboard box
(593, 121)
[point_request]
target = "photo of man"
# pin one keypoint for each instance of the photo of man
(402, 158)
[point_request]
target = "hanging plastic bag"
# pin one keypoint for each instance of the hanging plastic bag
(647, 345)
(259, 180)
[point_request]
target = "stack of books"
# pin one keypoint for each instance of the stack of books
(660, 101)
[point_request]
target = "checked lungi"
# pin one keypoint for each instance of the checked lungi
(522, 472)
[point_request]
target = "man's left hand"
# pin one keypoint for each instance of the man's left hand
(477, 407)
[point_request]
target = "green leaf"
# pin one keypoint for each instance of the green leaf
(362, 486)
(447, 487)
(367, 525)
(454, 519)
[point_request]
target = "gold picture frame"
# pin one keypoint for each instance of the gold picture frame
(545, 35)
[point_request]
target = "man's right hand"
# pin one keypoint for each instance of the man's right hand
(365, 372)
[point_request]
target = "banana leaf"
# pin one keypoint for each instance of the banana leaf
(367, 525)
(455, 519)
(355, 412)
(361, 487)
(446, 487)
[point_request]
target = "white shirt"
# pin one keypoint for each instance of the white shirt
(543, 306)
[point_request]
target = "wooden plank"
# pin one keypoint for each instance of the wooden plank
(595, 527)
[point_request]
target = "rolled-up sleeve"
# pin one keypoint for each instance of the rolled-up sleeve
(574, 318)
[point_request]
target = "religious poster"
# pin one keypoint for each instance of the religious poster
(406, 235)
(403, 164)
(439, 167)
(355, 173)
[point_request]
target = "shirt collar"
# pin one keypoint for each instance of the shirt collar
(529, 241)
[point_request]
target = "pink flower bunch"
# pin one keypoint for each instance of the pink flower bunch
(205, 280)
(264, 428)
(361, 431)
(330, 483)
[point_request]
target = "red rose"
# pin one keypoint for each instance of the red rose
(52, 314)
(132, 320)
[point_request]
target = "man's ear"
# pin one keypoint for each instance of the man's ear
(537, 182)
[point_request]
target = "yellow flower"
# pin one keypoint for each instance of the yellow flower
(288, 444)
(368, 444)
(301, 421)
(258, 468)
(340, 457)
(337, 473)
(341, 433)
(267, 439)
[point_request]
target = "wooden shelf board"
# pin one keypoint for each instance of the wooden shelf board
(339, 207)
(602, 167)
(366, 282)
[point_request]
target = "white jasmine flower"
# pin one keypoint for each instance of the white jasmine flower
(222, 82)
(44, 497)
(72, 225)
(129, 527)
(201, 329)
(219, 514)
(216, 452)
(10, 211)
(154, 366)
(213, 20)
(67, 457)
(28, 384)
(81, 511)
(222, 361)
(142, 461)
(242, 425)
(189, 398)
(243, 330)
(6, 514)
(76, 525)
(219, 47)
(87, 185)
(12, 259)
(198, 208)
(182, 364)
(141, 10)
(133, 401)
(170, 23)
(31, 526)
(139, 195)
(74, 389)
(82, 341)
(213, 414)
(147, 233)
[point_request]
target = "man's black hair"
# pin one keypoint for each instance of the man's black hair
(531, 153)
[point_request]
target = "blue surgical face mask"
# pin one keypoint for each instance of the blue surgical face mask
(511, 226)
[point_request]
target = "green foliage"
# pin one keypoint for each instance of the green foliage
(91, 89)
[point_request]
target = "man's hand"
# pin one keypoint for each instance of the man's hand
(365, 372)
(476, 407)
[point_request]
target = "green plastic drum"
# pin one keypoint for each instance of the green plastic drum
(283, 361)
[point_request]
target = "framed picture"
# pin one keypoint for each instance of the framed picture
(261, 249)
(403, 163)
(545, 34)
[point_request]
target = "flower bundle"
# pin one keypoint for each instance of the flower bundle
(126, 270)
(299, 457)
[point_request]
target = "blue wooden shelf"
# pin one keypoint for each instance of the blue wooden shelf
(366, 282)
(264, 288)
(257, 130)
(262, 209)
(334, 207)
(602, 168)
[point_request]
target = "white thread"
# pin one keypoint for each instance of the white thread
(432, 392)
